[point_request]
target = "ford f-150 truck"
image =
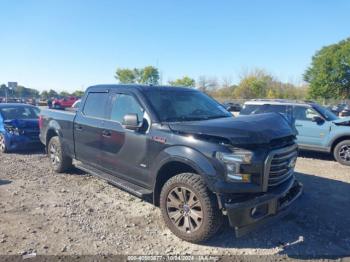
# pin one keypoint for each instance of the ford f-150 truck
(182, 150)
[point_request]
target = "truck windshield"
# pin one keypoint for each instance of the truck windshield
(328, 115)
(179, 105)
(19, 112)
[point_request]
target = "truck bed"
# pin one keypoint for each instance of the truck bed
(61, 121)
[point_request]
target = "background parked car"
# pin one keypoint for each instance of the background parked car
(19, 126)
(64, 102)
(345, 112)
(76, 104)
(232, 107)
(318, 128)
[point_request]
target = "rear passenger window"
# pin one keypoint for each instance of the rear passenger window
(95, 105)
(125, 104)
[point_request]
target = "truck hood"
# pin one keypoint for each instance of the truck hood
(342, 121)
(23, 123)
(251, 129)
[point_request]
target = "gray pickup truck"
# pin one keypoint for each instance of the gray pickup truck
(182, 151)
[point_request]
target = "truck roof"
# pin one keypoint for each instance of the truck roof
(140, 87)
(278, 102)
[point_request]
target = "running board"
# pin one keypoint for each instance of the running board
(116, 181)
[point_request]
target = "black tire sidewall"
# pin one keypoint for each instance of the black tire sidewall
(202, 233)
(337, 151)
(65, 161)
(5, 149)
(56, 142)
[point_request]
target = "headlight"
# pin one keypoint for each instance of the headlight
(233, 161)
(12, 130)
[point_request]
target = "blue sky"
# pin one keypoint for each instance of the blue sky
(71, 44)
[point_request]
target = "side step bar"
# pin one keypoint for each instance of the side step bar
(118, 182)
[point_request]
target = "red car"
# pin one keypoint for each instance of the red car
(64, 102)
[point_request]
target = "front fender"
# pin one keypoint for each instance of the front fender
(337, 136)
(188, 156)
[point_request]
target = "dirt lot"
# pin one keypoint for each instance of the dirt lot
(79, 214)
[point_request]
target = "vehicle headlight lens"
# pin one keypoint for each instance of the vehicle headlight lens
(12, 130)
(233, 161)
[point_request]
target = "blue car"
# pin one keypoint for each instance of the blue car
(19, 127)
(318, 128)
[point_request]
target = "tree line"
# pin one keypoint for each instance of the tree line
(328, 76)
(19, 91)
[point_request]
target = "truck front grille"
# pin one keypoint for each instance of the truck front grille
(279, 165)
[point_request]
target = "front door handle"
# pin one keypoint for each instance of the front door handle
(78, 127)
(299, 125)
(106, 133)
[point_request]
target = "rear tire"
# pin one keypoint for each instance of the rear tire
(341, 152)
(189, 209)
(3, 148)
(59, 161)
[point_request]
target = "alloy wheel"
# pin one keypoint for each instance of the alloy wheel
(344, 153)
(184, 209)
(54, 155)
(2, 144)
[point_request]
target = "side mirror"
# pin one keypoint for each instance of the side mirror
(317, 119)
(131, 122)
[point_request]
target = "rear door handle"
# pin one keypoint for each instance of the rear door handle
(106, 133)
(298, 125)
(78, 127)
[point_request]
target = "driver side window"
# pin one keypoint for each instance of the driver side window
(123, 104)
(304, 113)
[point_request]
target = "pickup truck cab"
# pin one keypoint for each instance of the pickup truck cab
(181, 150)
(318, 128)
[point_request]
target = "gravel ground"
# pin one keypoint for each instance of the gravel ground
(78, 214)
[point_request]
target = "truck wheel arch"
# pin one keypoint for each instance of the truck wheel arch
(50, 134)
(172, 162)
(338, 140)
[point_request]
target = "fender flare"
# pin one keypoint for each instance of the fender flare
(186, 155)
(337, 137)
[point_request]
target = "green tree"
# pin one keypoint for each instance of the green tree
(52, 93)
(125, 75)
(254, 85)
(44, 94)
(148, 75)
(184, 81)
(329, 73)
(64, 93)
(78, 93)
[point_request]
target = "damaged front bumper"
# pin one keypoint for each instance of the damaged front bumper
(245, 216)
(18, 142)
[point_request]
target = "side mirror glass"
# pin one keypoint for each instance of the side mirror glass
(131, 122)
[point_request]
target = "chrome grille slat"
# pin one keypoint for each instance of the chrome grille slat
(277, 165)
(284, 157)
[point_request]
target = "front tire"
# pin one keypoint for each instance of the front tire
(59, 161)
(189, 209)
(342, 152)
(3, 148)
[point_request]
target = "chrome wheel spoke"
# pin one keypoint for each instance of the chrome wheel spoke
(344, 153)
(175, 215)
(184, 209)
(196, 215)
